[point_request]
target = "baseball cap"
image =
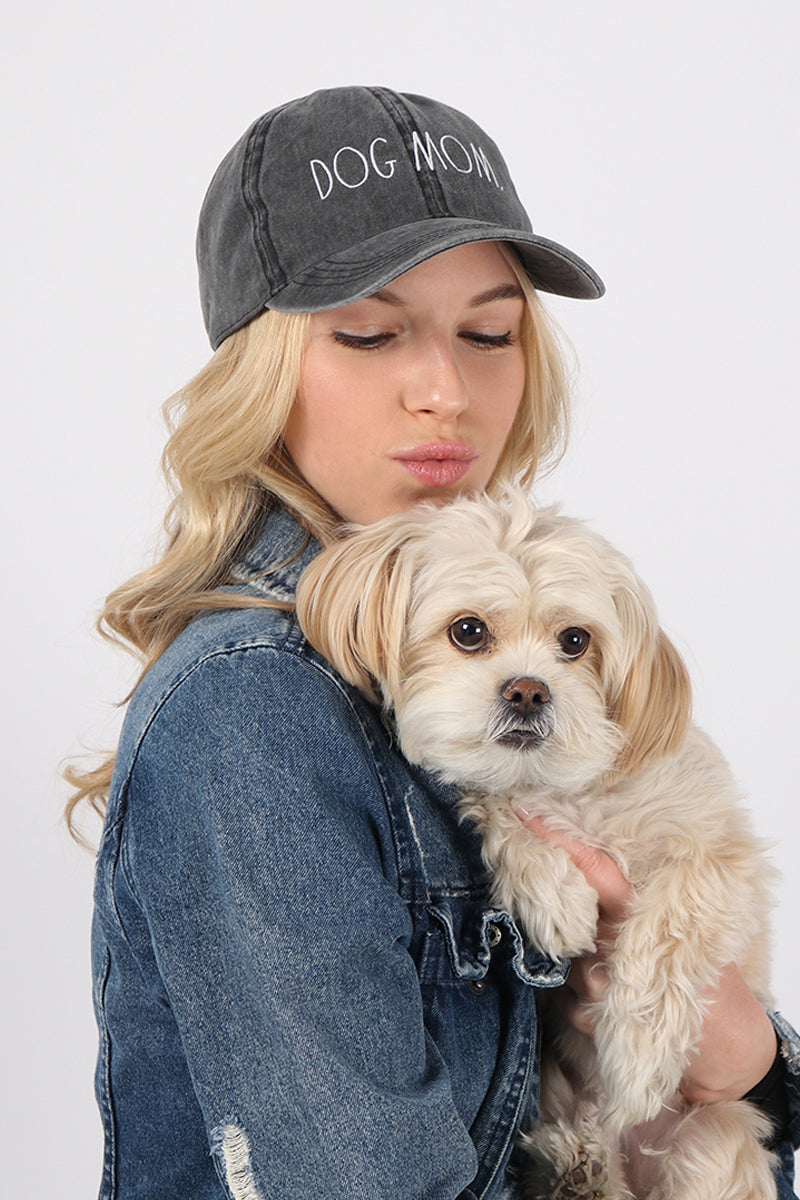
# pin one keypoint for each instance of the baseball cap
(328, 198)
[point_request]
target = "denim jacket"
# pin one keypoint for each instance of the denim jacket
(300, 985)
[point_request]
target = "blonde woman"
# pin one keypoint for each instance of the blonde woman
(299, 990)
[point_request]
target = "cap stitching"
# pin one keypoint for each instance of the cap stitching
(257, 207)
(429, 184)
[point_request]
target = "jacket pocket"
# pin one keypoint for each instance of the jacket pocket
(471, 936)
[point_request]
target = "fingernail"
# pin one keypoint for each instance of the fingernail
(522, 812)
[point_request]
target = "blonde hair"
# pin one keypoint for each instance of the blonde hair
(225, 464)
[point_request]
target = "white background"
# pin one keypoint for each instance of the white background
(660, 141)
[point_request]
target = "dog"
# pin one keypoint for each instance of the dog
(521, 659)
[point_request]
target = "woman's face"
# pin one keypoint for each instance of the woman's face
(410, 394)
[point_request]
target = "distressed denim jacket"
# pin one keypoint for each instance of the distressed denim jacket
(300, 985)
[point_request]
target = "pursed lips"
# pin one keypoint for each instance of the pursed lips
(437, 463)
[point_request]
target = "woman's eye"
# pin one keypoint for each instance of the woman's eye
(361, 341)
(574, 642)
(469, 634)
(489, 341)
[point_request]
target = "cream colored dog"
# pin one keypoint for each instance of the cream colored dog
(522, 660)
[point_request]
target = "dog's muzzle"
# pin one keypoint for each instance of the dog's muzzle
(526, 715)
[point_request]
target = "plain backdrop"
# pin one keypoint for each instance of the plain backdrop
(659, 141)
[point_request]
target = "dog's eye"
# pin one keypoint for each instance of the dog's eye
(469, 633)
(574, 642)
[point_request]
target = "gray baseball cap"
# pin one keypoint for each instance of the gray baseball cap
(330, 197)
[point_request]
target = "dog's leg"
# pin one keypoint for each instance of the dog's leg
(566, 1156)
(666, 957)
(535, 881)
(567, 1163)
(716, 1146)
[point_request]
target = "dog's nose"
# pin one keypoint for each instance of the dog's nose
(526, 695)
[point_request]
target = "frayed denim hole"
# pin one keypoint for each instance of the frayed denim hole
(230, 1145)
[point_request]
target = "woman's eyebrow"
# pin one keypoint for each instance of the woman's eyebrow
(388, 297)
(504, 291)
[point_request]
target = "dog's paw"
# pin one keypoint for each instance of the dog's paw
(535, 881)
(723, 1142)
(563, 1165)
(586, 1180)
(565, 926)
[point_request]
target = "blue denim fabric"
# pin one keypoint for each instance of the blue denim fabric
(300, 986)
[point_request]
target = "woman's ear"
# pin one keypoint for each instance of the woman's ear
(352, 602)
(654, 706)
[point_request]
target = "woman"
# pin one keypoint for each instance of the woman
(298, 987)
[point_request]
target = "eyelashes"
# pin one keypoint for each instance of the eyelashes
(490, 341)
(356, 341)
(374, 341)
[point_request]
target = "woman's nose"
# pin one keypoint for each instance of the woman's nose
(435, 383)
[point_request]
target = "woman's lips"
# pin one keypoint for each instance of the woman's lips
(437, 464)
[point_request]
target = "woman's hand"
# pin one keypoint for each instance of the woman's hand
(737, 1042)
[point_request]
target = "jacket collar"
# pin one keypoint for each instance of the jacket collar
(277, 558)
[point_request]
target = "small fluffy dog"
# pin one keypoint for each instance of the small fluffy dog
(523, 662)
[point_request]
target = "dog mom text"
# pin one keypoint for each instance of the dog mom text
(351, 167)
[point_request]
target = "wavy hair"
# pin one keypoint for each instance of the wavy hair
(225, 464)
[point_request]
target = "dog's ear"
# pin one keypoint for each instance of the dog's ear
(352, 602)
(654, 706)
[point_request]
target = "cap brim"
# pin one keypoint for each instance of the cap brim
(363, 269)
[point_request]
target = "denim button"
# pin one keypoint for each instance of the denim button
(477, 986)
(495, 934)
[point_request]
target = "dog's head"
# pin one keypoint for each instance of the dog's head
(515, 647)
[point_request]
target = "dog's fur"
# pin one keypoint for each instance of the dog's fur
(597, 740)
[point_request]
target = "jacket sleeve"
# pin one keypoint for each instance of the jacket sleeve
(258, 848)
(789, 1049)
